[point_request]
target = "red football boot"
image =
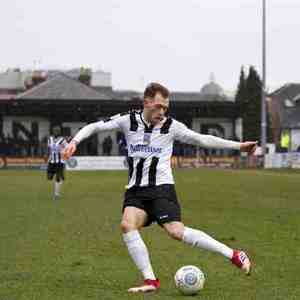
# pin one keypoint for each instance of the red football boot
(149, 285)
(242, 261)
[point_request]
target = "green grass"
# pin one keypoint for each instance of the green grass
(73, 249)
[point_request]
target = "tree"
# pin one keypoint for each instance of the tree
(251, 111)
(85, 76)
(248, 98)
(241, 95)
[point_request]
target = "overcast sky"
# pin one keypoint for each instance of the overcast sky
(176, 42)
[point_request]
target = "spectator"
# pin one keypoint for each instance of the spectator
(107, 146)
(285, 141)
(10, 147)
(122, 146)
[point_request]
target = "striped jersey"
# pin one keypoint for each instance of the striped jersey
(55, 147)
(150, 147)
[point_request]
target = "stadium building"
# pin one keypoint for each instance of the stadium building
(32, 103)
(284, 107)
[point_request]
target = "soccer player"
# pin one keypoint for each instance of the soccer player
(150, 194)
(56, 164)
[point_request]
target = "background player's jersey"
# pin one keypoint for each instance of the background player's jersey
(55, 146)
(150, 147)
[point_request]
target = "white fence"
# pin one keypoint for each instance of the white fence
(96, 163)
(283, 160)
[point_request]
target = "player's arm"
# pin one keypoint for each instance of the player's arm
(188, 136)
(116, 122)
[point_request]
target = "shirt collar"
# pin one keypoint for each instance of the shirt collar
(147, 124)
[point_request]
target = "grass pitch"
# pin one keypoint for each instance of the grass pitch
(72, 249)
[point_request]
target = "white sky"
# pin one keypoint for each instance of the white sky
(176, 42)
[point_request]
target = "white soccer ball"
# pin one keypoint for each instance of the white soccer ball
(189, 280)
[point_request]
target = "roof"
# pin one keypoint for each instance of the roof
(212, 88)
(127, 95)
(60, 86)
(63, 87)
(290, 115)
(288, 91)
(197, 96)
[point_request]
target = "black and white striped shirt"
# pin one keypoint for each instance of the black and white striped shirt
(150, 147)
(55, 146)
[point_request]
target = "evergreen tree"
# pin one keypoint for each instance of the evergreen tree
(248, 99)
(240, 96)
(252, 109)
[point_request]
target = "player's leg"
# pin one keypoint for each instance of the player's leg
(58, 180)
(196, 238)
(135, 216)
(200, 239)
(133, 219)
(50, 171)
(62, 172)
(168, 214)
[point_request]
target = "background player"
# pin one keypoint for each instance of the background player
(56, 164)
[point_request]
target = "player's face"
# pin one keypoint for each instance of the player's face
(155, 108)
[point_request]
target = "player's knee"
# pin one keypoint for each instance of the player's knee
(175, 232)
(127, 226)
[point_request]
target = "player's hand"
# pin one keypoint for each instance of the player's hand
(69, 150)
(248, 147)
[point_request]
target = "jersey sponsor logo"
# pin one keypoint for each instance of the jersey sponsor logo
(144, 148)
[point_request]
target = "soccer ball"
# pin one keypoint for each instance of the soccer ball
(189, 280)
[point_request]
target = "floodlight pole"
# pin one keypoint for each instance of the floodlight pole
(263, 87)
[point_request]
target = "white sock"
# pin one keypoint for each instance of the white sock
(197, 238)
(57, 186)
(139, 253)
